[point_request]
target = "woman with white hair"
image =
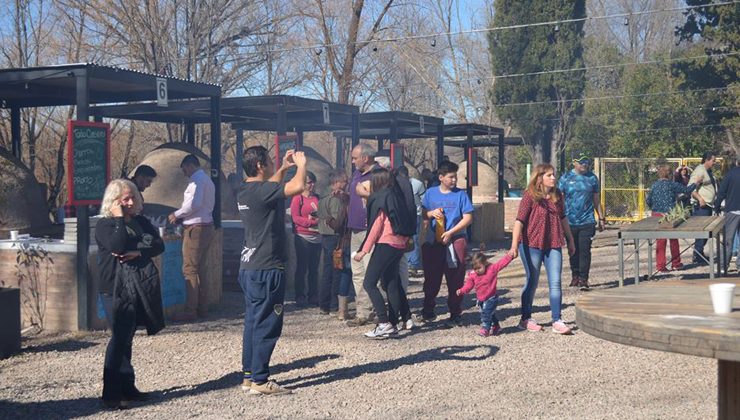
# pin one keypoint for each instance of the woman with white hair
(129, 285)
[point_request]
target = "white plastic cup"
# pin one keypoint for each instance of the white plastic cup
(722, 295)
(13, 235)
(161, 231)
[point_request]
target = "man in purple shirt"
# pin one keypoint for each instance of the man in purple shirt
(363, 157)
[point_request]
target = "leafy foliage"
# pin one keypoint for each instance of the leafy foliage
(538, 49)
(678, 212)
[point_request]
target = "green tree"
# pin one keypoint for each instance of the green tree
(546, 123)
(716, 30)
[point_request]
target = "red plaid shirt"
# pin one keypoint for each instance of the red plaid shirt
(542, 222)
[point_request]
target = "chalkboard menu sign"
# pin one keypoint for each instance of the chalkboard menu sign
(88, 162)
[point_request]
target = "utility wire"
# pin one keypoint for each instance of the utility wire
(318, 47)
(640, 95)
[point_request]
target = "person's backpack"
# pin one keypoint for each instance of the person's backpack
(406, 192)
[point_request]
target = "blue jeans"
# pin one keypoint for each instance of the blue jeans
(532, 259)
(414, 257)
(333, 282)
(264, 294)
(488, 312)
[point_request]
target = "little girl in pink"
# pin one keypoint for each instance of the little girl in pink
(483, 277)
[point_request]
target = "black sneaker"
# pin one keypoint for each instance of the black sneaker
(426, 318)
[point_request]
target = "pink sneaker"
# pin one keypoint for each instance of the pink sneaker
(483, 332)
(495, 329)
(529, 325)
(560, 328)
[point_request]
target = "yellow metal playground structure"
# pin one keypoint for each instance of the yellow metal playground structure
(625, 183)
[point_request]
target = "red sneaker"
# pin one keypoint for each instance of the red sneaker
(483, 332)
(495, 329)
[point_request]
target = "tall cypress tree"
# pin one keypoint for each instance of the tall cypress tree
(546, 123)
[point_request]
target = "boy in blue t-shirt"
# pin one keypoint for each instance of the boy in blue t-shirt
(445, 255)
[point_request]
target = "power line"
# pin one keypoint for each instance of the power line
(577, 69)
(640, 95)
(507, 27)
(318, 48)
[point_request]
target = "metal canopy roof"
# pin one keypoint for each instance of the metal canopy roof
(508, 141)
(57, 85)
(407, 125)
(255, 113)
(463, 129)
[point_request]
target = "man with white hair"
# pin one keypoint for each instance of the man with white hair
(363, 158)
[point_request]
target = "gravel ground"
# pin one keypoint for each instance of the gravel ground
(193, 369)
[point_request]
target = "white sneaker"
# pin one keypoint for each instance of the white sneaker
(410, 324)
(382, 330)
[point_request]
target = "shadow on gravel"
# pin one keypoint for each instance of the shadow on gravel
(54, 409)
(459, 353)
(234, 379)
(62, 346)
(79, 407)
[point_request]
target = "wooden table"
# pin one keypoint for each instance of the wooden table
(696, 227)
(674, 316)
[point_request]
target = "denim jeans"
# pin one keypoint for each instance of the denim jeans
(732, 225)
(532, 259)
(699, 243)
(414, 257)
(488, 312)
(264, 295)
(333, 282)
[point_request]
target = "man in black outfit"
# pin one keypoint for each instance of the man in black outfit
(261, 206)
(729, 192)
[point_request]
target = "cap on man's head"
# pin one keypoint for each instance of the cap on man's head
(581, 157)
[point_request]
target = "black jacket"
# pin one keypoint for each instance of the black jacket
(729, 191)
(390, 200)
(137, 280)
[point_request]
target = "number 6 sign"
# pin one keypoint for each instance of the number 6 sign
(161, 91)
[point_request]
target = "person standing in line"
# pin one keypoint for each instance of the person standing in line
(414, 257)
(540, 231)
(703, 199)
(729, 192)
(363, 158)
(661, 199)
(304, 210)
(334, 288)
(143, 177)
(450, 208)
(391, 224)
(196, 213)
(580, 188)
(261, 205)
(129, 286)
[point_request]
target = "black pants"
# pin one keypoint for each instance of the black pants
(383, 266)
(699, 243)
(580, 261)
(118, 373)
(307, 269)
